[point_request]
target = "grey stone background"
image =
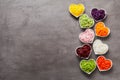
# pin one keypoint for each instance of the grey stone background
(38, 38)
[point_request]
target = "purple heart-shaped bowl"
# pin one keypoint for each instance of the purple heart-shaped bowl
(98, 14)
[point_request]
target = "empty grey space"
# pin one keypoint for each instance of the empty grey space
(38, 40)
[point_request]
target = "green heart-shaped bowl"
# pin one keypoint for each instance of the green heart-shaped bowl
(88, 66)
(85, 21)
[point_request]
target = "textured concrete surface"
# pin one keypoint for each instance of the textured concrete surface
(38, 38)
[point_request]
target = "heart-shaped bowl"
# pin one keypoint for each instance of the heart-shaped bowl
(84, 56)
(76, 10)
(102, 36)
(88, 68)
(87, 37)
(100, 19)
(99, 47)
(105, 59)
(87, 26)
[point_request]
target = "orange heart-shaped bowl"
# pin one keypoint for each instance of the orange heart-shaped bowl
(103, 64)
(101, 30)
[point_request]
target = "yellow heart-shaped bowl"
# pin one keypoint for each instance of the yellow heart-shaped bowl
(76, 9)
